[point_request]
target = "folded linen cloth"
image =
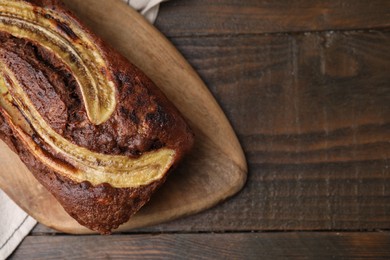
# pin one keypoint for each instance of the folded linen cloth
(149, 8)
(15, 224)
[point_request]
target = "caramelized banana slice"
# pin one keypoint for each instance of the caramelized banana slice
(70, 43)
(97, 168)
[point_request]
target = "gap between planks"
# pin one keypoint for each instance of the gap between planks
(282, 33)
(354, 245)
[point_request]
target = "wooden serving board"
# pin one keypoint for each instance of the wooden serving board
(213, 171)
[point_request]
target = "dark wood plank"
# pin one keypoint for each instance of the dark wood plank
(203, 17)
(209, 246)
(312, 113)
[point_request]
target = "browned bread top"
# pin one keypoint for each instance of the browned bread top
(94, 130)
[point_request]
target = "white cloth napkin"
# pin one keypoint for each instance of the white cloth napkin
(15, 224)
(148, 8)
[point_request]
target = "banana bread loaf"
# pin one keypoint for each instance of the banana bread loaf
(90, 126)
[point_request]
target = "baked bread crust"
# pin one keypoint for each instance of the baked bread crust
(142, 121)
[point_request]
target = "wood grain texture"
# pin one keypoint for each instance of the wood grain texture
(203, 17)
(209, 246)
(312, 113)
(213, 171)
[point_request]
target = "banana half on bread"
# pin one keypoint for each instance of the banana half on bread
(90, 126)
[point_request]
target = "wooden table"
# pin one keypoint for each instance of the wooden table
(306, 86)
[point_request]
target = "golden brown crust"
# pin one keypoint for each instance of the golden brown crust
(143, 120)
